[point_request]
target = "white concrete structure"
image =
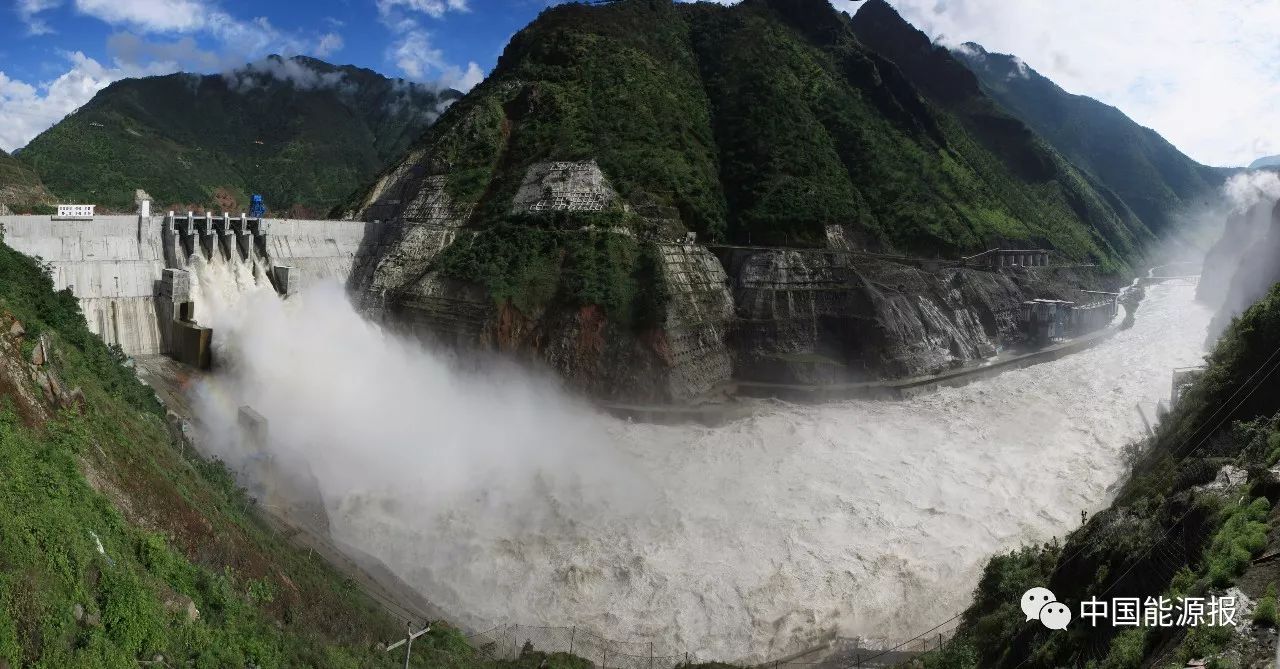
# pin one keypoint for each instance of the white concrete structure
(564, 186)
(108, 263)
(75, 211)
(114, 264)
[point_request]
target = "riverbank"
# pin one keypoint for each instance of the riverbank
(734, 403)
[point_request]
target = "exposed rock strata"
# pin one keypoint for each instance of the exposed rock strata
(776, 315)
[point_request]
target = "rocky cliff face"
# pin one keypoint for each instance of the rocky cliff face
(729, 313)
(548, 212)
(1243, 265)
(823, 317)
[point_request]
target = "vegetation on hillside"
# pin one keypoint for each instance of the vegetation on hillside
(299, 131)
(760, 123)
(1012, 161)
(1153, 177)
(1167, 533)
(531, 267)
(118, 546)
(20, 188)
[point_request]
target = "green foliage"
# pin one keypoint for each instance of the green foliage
(1264, 614)
(996, 617)
(28, 294)
(533, 659)
(1127, 650)
(1183, 581)
(1204, 640)
(1273, 448)
(1242, 535)
(211, 141)
(1039, 195)
(958, 654)
(20, 188)
(534, 267)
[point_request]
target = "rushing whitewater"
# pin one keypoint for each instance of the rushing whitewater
(505, 501)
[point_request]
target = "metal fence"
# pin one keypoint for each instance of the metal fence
(508, 642)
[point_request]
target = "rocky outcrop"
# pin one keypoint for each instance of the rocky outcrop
(1249, 254)
(694, 341)
(564, 186)
(831, 316)
(808, 316)
(688, 357)
(28, 378)
(429, 222)
(685, 357)
(1220, 263)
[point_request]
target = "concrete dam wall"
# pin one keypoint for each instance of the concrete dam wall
(114, 265)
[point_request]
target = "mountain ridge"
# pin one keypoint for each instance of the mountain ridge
(841, 168)
(302, 132)
(1149, 173)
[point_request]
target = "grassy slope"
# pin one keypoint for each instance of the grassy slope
(1160, 536)
(1152, 176)
(183, 137)
(20, 186)
(171, 525)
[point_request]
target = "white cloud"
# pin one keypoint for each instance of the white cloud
(412, 50)
(432, 8)
(287, 70)
(237, 39)
(29, 10)
(1202, 74)
(184, 53)
(29, 109)
(413, 53)
(329, 43)
(149, 15)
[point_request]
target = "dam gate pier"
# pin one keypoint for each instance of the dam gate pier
(133, 274)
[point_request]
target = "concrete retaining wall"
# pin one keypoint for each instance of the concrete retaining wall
(113, 264)
(317, 250)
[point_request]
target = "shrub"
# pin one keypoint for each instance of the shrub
(1264, 615)
(1127, 650)
(1242, 535)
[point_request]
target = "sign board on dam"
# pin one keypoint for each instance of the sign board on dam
(114, 264)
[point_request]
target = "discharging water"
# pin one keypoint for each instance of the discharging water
(504, 501)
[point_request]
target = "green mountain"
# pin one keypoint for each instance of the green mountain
(301, 132)
(764, 122)
(20, 186)
(1153, 177)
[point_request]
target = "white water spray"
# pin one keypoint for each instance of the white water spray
(504, 500)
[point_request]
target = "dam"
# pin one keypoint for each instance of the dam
(115, 264)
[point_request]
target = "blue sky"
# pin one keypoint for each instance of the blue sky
(1206, 75)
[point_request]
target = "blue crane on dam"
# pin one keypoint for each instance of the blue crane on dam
(257, 209)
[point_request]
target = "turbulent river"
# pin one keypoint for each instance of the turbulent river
(504, 501)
